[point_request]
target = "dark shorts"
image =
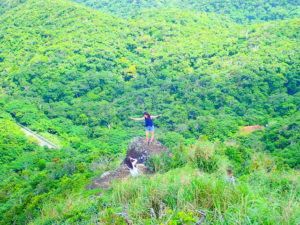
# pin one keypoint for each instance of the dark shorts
(149, 128)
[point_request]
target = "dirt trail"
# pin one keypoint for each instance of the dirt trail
(251, 128)
(42, 141)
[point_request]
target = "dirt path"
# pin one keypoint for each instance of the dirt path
(42, 141)
(251, 128)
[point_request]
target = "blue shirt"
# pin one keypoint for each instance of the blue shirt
(148, 122)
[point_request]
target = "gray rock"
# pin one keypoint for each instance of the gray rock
(105, 180)
(138, 149)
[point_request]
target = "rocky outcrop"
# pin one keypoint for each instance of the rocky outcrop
(138, 149)
(106, 178)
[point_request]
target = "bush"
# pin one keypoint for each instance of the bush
(203, 156)
(177, 157)
(240, 157)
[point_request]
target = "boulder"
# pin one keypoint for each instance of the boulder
(138, 149)
(107, 177)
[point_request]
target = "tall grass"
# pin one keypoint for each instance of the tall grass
(186, 188)
(189, 181)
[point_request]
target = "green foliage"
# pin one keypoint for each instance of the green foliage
(280, 138)
(75, 75)
(204, 157)
(176, 158)
(184, 190)
(242, 11)
(241, 158)
(206, 74)
(12, 142)
(283, 140)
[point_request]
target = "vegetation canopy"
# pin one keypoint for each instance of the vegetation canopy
(75, 71)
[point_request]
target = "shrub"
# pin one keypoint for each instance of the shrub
(203, 156)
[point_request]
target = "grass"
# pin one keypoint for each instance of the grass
(186, 189)
(178, 191)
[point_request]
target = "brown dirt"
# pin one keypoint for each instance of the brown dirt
(251, 128)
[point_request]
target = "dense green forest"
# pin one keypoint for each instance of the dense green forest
(75, 74)
(242, 11)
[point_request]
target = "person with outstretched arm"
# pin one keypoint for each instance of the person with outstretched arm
(148, 125)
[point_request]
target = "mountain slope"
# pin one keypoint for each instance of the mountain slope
(240, 11)
(6, 5)
(76, 74)
(82, 68)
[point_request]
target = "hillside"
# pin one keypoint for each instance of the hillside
(46, 186)
(74, 75)
(240, 11)
(87, 72)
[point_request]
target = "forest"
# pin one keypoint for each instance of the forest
(74, 72)
(242, 11)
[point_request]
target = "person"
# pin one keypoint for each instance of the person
(230, 177)
(131, 164)
(148, 125)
